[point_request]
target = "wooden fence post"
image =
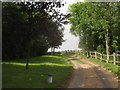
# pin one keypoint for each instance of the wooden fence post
(87, 54)
(95, 55)
(114, 56)
(78, 51)
(90, 53)
(101, 56)
(82, 53)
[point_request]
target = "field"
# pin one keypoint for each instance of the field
(15, 74)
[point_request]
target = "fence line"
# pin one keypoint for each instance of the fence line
(114, 58)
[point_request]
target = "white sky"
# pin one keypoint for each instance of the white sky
(71, 42)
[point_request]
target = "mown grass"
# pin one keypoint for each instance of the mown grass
(16, 76)
(109, 66)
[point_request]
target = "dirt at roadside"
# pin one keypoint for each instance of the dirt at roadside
(85, 77)
(90, 75)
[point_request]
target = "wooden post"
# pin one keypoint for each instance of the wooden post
(90, 53)
(114, 56)
(79, 52)
(27, 64)
(82, 53)
(87, 54)
(101, 56)
(95, 55)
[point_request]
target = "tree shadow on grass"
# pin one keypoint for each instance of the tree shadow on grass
(16, 76)
(41, 59)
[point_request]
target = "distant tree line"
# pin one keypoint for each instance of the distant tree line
(97, 25)
(30, 28)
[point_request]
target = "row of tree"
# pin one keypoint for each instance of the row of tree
(30, 28)
(97, 25)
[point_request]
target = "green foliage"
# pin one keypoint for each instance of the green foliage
(91, 21)
(16, 76)
(29, 30)
(101, 49)
(114, 45)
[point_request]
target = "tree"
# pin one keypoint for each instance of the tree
(95, 24)
(26, 28)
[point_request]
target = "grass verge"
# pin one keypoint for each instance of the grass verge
(108, 66)
(78, 60)
(16, 76)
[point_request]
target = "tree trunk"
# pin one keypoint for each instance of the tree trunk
(51, 50)
(107, 45)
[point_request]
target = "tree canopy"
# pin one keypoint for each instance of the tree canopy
(30, 28)
(97, 25)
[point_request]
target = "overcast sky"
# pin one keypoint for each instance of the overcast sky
(71, 42)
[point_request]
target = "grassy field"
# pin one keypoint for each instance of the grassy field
(16, 76)
(109, 66)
